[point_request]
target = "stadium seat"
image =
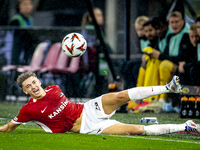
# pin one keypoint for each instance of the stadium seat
(62, 65)
(9, 67)
(51, 59)
(62, 62)
(36, 60)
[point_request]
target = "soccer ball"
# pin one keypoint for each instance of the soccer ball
(74, 45)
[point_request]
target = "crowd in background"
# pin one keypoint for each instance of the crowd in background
(169, 47)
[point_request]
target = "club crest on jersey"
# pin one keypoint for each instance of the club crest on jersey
(61, 94)
(97, 106)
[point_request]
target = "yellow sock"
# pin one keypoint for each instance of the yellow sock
(141, 75)
(165, 70)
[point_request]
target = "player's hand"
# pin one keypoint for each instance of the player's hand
(181, 67)
(9, 127)
(145, 58)
(155, 54)
(148, 50)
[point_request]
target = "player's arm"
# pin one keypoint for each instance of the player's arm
(153, 53)
(9, 127)
(181, 67)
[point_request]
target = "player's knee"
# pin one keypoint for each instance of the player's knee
(165, 65)
(120, 97)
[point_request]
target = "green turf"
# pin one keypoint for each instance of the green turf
(32, 137)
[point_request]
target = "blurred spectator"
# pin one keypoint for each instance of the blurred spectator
(162, 30)
(140, 32)
(198, 30)
(23, 41)
(23, 17)
(94, 65)
(176, 42)
(198, 25)
(149, 33)
(195, 71)
(152, 67)
(129, 69)
(90, 35)
(188, 66)
(148, 76)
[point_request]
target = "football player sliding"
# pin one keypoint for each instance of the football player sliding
(51, 110)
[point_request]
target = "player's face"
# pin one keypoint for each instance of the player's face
(149, 32)
(194, 37)
(32, 86)
(176, 24)
(198, 27)
(98, 16)
(139, 30)
(26, 7)
(161, 30)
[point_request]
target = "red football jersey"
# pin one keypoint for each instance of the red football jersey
(54, 113)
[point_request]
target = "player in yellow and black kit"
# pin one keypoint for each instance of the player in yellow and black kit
(147, 62)
(133, 73)
(149, 33)
(176, 42)
(162, 30)
(144, 42)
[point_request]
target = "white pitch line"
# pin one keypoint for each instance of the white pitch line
(156, 139)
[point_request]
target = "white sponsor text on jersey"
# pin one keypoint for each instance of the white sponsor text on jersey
(59, 109)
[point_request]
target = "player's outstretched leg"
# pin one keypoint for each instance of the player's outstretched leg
(172, 87)
(144, 92)
(151, 129)
(112, 101)
(171, 128)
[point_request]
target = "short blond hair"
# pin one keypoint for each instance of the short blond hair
(193, 27)
(22, 77)
(141, 20)
(176, 14)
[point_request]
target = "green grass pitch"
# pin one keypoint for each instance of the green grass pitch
(31, 137)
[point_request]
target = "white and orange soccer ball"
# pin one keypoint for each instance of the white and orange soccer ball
(74, 45)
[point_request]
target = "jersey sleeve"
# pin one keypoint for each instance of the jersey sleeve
(23, 116)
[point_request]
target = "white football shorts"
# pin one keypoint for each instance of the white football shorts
(94, 119)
